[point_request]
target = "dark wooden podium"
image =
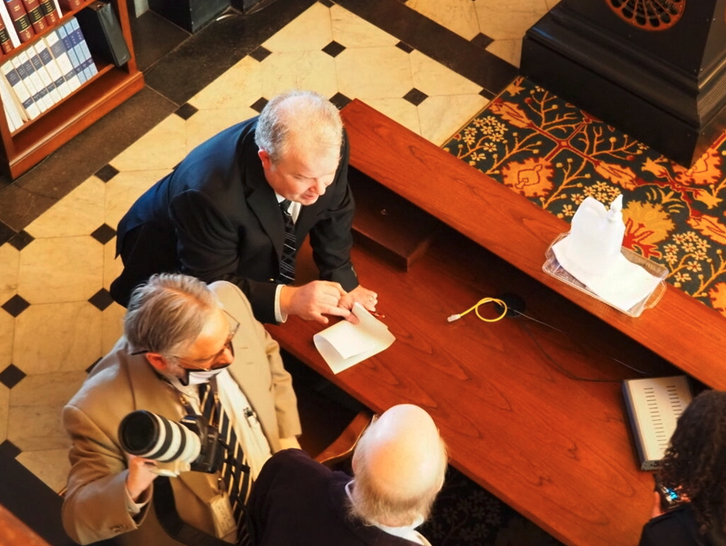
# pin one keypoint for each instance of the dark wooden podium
(655, 69)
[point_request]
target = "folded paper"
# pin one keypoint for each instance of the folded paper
(344, 344)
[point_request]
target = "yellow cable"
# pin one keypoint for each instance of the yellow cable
(475, 308)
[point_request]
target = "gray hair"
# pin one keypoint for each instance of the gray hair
(371, 505)
(309, 117)
(166, 314)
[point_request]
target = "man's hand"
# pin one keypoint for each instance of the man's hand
(365, 297)
(141, 475)
(314, 300)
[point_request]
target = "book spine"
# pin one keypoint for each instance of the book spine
(20, 20)
(13, 111)
(66, 34)
(69, 5)
(49, 12)
(38, 107)
(48, 82)
(32, 79)
(5, 43)
(35, 14)
(45, 55)
(28, 108)
(8, 22)
(57, 48)
(84, 54)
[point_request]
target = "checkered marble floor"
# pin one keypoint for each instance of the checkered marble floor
(57, 318)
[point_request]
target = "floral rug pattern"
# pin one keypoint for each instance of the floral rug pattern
(556, 155)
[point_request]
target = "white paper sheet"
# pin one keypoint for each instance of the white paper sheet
(343, 344)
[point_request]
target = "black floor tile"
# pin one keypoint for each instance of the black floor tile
(21, 240)
(207, 54)
(435, 41)
(154, 36)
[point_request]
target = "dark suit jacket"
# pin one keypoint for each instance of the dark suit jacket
(678, 528)
(298, 501)
(216, 217)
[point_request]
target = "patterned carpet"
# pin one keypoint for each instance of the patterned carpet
(556, 155)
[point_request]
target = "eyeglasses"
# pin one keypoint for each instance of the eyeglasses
(206, 364)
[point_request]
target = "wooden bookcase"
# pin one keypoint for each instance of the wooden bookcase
(36, 139)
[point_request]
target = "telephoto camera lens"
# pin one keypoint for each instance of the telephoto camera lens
(151, 436)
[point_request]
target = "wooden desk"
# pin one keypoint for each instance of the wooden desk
(554, 447)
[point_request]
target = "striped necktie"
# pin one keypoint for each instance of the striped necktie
(235, 471)
(287, 261)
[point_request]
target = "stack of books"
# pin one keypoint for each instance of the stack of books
(44, 73)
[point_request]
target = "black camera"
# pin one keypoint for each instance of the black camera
(193, 440)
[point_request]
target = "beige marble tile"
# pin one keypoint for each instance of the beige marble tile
(458, 16)
(61, 269)
(435, 79)
(112, 325)
(399, 110)
(207, 123)
(7, 337)
(35, 428)
(76, 214)
(125, 188)
(441, 117)
(112, 266)
(313, 70)
(238, 88)
(161, 148)
(57, 337)
(551, 3)
(507, 50)
(50, 465)
(46, 389)
(350, 30)
(9, 267)
(374, 73)
(508, 20)
(311, 31)
(4, 411)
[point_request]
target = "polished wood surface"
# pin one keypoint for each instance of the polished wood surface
(680, 329)
(14, 532)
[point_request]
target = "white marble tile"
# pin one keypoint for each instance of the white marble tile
(46, 389)
(311, 30)
(4, 411)
(9, 266)
(507, 50)
(312, 70)
(458, 16)
(374, 73)
(125, 188)
(443, 116)
(76, 214)
(34, 428)
(7, 337)
(238, 88)
(61, 269)
(50, 465)
(508, 20)
(399, 110)
(207, 123)
(112, 326)
(350, 30)
(161, 148)
(70, 334)
(435, 79)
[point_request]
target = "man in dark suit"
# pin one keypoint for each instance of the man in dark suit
(220, 215)
(399, 466)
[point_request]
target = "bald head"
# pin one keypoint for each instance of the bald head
(399, 466)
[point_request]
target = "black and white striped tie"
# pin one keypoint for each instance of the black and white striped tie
(287, 261)
(235, 471)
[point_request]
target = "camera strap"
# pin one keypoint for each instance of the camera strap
(175, 527)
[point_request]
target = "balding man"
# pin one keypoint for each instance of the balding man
(399, 466)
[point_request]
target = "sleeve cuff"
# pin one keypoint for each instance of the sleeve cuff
(279, 315)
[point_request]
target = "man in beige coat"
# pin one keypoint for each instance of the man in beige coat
(178, 334)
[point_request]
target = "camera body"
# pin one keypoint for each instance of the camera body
(193, 440)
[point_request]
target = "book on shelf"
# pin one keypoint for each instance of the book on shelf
(58, 49)
(8, 22)
(35, 14)
(52, 67)
(50, 11)
(11, 107)
(5, 43)
(45, 78)
(70, 5)
(84, 54)
(32, 80)
(66, 34)
(20, 20)
(20, 90)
